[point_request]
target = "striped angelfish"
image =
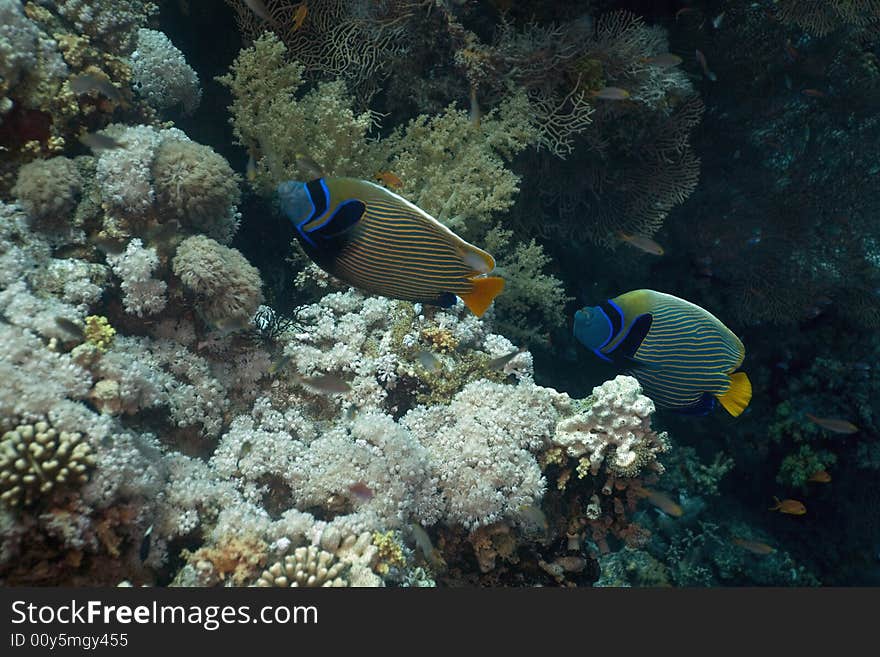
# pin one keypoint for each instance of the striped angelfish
(681, 354)
(377, 241)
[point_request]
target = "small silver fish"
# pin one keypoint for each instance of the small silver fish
(665, 60)
(259, 9)
(426, 547)
(832, 424)
(642, 243)
(499, 363)
(533, 518)
(718, 20)
(324, 384)
(251, 168)
(70, 327)
(107, 245)
(88, 82)
(279, 365)
(145, 543)
(98, 142)
(611, 93)
(428, 360)
(475, 115)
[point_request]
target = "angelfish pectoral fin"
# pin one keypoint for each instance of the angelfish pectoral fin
(738, 395)
(484, 291)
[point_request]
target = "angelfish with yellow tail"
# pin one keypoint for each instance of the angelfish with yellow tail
(377, 241)
(682, 355)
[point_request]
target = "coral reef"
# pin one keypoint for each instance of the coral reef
(189, 401)
(226, 286)
(614, 433)
(36, 458)
(307, 566)
(161, 75)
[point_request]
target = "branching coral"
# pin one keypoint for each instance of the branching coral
(646, 168)
(820, 17)
(113, 22)
(143, 294)
(37, 458)
(307, 566)
(280, 128)
(534, 302)
(354, 41)
(614, 433)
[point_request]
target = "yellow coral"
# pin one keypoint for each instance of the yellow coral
(440, 339)
(390, 554)
(99, 332)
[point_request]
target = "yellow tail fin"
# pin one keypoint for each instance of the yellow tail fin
(738, 395)
(485, 289)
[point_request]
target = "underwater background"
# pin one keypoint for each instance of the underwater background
(193, 392)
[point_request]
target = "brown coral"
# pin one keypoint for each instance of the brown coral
(48, 189)
(36, 458)
(196, 186)
(227, 286)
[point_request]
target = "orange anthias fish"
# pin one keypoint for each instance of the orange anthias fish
(791, 507)
(642, 243)
(833, 425)
(299, 16)
(389, 179)
(755, 547)
(813, 93)
(704, 64)
(662, 501)
(820, 477)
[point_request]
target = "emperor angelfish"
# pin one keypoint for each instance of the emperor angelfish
(377, 241)
(681, 354)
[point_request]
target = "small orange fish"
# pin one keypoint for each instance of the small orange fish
(685, 10)
(755, 547)
(361, 491)
(791, 507)
(389, 179)
(642, 243)
(701, 59)
(833, 424)
(662, 501)
(611, 93)
(813, 93)
(299, 16)
(820, 477)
